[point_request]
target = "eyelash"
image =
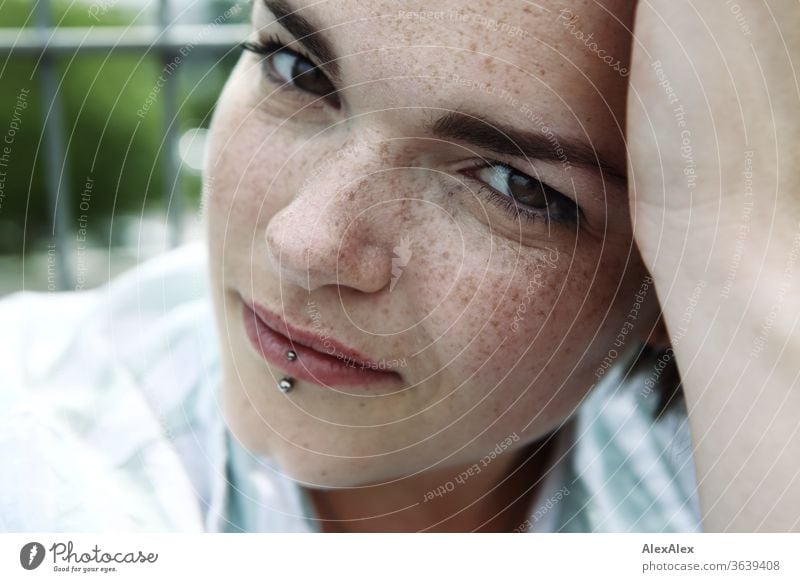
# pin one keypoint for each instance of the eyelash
(269, 47)
(570, 214)
(272, 45)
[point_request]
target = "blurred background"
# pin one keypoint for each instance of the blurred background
(104, 106)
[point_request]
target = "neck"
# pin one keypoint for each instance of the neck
(472, 497)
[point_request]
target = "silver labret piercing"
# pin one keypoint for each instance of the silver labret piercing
(285, 385)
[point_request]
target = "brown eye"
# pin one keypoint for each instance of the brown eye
(305, 75)
(527, 191)
(521, 194)
(294, 69)
(287, 67)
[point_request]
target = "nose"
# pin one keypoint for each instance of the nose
(337, 229)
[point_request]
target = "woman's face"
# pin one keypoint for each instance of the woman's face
(446, 197)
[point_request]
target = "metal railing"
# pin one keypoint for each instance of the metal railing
(163, 40)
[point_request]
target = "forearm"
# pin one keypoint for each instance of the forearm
(726, 142)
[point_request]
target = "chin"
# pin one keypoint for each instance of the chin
(296, 457)
(317, 471)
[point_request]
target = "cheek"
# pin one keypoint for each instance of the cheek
(509, 322)
(239, 189)
(518, 331)
(248, 167)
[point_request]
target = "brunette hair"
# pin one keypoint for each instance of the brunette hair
(660, 367)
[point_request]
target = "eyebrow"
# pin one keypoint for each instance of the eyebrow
(486, 134)
(306, 34)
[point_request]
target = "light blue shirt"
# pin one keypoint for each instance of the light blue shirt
(111, 420)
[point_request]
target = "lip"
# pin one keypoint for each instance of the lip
(320, 359)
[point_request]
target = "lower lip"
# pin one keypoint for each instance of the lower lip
(310, 365)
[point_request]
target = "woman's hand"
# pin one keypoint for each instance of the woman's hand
(713, 132)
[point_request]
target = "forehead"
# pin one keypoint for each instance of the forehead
(566, 60)
(539, 36)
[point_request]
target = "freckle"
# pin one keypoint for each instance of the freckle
(446, 255)
(473, 46)
(362, 404)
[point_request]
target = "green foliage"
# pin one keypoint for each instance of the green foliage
(105, 138)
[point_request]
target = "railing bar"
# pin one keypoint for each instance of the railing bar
(172, 182)
(26, 42)
(55, 162)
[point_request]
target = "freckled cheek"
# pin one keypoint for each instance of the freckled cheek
(488, 317)
(497, 334)
(534, 323)
(522, 324)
